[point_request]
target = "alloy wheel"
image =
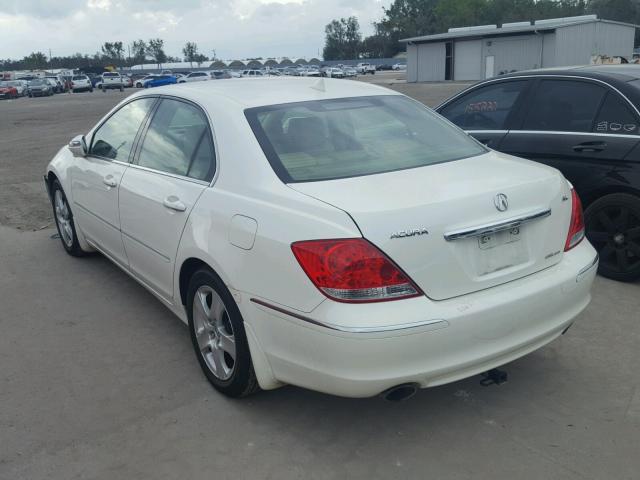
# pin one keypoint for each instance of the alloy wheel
(214, 332)
(63, 218)
(615, 232)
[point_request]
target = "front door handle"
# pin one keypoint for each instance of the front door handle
(109, 181)
(173, 203)
(590, 147)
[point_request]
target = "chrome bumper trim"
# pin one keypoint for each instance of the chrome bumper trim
(495, 227)
(593, 263)
(341, 328)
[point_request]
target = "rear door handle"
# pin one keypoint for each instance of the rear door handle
(173, 203)
(590, 147)
(109, 181)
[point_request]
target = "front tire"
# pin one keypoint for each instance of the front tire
(613, 227)
(64, 221)
(218, 336)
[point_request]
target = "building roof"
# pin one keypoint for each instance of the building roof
(513, 28)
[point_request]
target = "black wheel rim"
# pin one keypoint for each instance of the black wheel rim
(615, 232)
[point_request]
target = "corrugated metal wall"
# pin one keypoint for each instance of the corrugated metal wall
(522, 52)
(577, 43)
(467, 58)
(549, 50)
(412, 63)
(430, 62)
(614, 40)
(574, 44)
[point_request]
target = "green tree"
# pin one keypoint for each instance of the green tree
(200, 58)
(342, 39)
(190, 51)
(35, 60)
(139, 51)
(155, 49)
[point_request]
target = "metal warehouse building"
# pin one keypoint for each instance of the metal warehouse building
(475, 53)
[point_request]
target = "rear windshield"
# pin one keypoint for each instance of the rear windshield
(350, 137)
(110, 74)
(79, 77)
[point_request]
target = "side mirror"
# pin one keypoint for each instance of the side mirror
(78, 146)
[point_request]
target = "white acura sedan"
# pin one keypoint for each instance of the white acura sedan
(333, 235)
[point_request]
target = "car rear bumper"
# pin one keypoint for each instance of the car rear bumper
(362, 350)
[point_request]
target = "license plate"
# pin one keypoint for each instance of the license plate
(491, 240)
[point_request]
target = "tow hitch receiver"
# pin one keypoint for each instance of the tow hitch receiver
(493, 377)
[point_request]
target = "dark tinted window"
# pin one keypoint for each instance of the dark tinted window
(485, 108)
(114, 139)
(178, 141)
(564, 105)
(615, 116)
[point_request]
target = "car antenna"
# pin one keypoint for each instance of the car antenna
(319, 85)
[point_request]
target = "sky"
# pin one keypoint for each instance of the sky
(236, 29)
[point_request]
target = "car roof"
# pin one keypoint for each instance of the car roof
(622, 77)
(262, 91)
(623, 73)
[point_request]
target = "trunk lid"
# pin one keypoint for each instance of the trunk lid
(436, 222)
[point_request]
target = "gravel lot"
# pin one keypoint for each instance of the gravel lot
(99, 381)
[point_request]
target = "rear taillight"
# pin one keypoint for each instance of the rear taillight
(353, 270)
(576, 226)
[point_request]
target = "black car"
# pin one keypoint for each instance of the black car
(584, 121)
(40, 87)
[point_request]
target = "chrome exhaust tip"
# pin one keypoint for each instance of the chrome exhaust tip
(399, 393)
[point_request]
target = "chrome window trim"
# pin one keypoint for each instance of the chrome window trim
(486, 131)
(588, 134)
(167, 174)
(566, 77)
(495, 227)
(345, 329)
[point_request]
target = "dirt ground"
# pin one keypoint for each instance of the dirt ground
(34, 129)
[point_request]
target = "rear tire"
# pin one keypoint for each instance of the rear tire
(218, 336)
(613, 227)
(65, 224)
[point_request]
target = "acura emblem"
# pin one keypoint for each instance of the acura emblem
(501, 202)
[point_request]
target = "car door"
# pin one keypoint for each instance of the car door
(174, 164)
(583, 128)
(95, 179)
(487, 111)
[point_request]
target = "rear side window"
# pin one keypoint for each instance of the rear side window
(564, 105)
(179, 142)
(486, 108)
(350, 137)
(114, 139)
(615, 116)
